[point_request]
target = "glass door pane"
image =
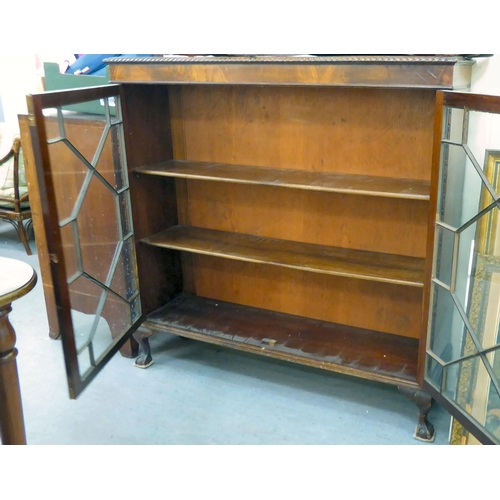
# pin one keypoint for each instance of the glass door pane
(79, 151)
(463, 349)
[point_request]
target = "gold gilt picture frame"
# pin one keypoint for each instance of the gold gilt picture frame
(484, 316)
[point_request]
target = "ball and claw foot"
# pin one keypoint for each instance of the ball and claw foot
(425, 430)
(146, 360)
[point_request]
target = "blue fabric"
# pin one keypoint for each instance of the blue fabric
(99, 72)
(95, 63)
(92, 61)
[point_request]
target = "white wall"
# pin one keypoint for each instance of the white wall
(20, 74)
(486, 76)
(18, 77)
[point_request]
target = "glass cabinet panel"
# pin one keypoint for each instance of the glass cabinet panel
(463, 360)
(81, 164)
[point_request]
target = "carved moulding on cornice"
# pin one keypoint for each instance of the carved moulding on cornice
(290, 60)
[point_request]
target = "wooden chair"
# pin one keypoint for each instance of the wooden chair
(14, 201)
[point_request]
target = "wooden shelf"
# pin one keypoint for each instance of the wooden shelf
(396, 269)
(316, 181)
(364, 353)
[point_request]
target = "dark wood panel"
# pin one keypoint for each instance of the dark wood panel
(483, 103)
(181, 185)
(386, 133)
(314, 181)
(188, 281)
(148, 139)
(333, 219)
(38, 226)
(365, 304)
(396, 269)
(435, 172)
(405, 73)
(56, 98)
(368, 354)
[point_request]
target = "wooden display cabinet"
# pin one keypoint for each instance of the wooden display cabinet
(280, 206)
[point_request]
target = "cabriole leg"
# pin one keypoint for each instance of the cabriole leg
(425, 430)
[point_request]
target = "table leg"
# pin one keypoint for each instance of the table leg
(11, 410)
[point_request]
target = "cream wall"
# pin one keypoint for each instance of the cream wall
(17, 78)
(20, 74)
(486, 76)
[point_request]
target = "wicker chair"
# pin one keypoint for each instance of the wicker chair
(14, 202)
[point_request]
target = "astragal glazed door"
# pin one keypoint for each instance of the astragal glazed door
(462, 369)
(83, 180)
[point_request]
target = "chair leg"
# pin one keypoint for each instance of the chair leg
(21, 231)
(30, 231)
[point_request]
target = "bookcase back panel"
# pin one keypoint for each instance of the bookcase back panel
(347, 221)
(382, 132)
(364, 304)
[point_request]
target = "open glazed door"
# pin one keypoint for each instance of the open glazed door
(86, 210)
(463, 349)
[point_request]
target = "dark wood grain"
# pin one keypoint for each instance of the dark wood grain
(356, 131)
(11, 410)
(435, 172)
(424, 430)
(265, 155)
(330, 346)
(414, 73)
(16, 280)
(473, 102)
(396, 269)
(371, 305)
(56, 98)
(366, 223)
(148, 139)
(181, 185)
(315, 181)
(38, 226)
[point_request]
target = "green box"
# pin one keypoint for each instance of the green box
(55, 80)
